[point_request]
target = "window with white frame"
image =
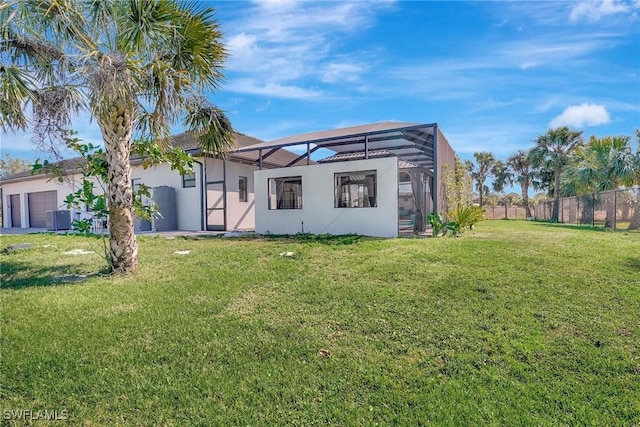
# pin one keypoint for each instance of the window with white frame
(356, 189)
(188, 180)
(285, 193)
(135, 184)
(242, 188)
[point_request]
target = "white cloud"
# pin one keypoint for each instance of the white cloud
(264, 107)
(528, 65)
(594, 11)
(273, 89)
(502, 139)
(582, 115)
(284, 42)
(547, 104)
(339, 72)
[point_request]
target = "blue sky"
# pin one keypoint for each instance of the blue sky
(493, 75)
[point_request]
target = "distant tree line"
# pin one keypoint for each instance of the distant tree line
(561, 163)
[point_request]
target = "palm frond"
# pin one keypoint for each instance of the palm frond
(15, 91)
(210, 126)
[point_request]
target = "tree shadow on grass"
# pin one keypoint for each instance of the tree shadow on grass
(19, 275)
(633, 263)
(585, 227)
(325, 239)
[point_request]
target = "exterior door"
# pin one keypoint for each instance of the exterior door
(14, 203)
(216, 207)
(39, 204)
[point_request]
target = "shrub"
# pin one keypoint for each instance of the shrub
(466, 216)
(435, 220)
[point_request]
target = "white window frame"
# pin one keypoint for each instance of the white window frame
(356, 189)
(243, 194)
(285, 192)
(189, 178)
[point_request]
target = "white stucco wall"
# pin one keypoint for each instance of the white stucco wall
(240, 215)
(187, 199)
(190, 206)
(36, 185)
(318, 212)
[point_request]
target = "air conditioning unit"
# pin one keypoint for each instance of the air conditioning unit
(58, 220)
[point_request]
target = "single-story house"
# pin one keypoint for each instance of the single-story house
(378, 179)
(218, 195)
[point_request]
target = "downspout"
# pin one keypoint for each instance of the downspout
(436, 166)
(224, 192)
(202, 193)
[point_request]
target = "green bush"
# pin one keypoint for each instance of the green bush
(466, 216)
(435, 220)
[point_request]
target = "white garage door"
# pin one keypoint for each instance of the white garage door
(39, 204)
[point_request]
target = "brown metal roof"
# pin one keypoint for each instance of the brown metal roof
(186, 143)
(278, 159)
(411, 142)
(402, 164)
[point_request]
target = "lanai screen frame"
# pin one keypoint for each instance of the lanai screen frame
(424, 145)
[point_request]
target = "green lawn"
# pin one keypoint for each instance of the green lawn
(514, 323)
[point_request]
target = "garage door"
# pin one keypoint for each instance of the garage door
(39, 204)
(16, 219)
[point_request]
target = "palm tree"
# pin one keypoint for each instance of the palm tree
(481, 171)
(601, 165)
(523, 175)
(551, 153)
(502, 176)
(507, 200)
(134, 66)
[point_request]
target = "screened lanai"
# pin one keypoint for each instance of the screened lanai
(421, 151)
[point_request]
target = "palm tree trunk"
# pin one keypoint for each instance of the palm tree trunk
(556, 196)
(117, 130)
(525, 200)
(635, 217)
(587, 209)
(609, 221)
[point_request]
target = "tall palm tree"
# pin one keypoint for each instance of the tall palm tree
(551, 153)
(507, 200)
(481, 170)
(502, 176)
(135, 66)
(601, 165)
(523, 175)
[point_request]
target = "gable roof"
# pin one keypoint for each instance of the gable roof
(185, 142)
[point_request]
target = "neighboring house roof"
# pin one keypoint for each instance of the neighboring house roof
(66, 164)
(186, 143)
(376, 154)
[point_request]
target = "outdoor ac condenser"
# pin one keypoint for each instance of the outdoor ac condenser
(58, 220)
